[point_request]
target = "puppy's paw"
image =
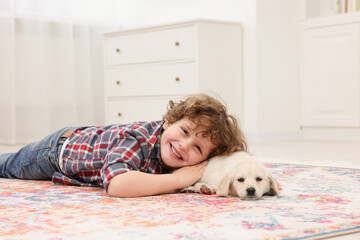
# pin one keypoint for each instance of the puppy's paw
(199, 188)
(190, 189)
(206, 189)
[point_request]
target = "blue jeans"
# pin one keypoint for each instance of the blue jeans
(37, 161)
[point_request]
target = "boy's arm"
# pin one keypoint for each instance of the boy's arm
(139, 184)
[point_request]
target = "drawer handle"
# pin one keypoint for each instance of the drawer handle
(118, 82)
(118, 50)
(177, 79)
(177, 44)
(119, 114)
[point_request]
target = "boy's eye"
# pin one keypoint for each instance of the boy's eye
(185, 131)
(198, 148)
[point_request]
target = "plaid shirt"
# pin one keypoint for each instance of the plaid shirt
(94, 155)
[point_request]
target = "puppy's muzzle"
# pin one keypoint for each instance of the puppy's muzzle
(250, 191)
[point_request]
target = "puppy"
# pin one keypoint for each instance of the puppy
(238, 174)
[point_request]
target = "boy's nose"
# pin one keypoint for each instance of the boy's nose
(185, 144)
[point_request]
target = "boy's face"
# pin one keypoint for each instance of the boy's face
(182, 144)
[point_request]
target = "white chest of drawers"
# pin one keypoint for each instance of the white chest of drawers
(146, 67)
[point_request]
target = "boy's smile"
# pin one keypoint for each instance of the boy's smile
(176, 153)
(183, 144)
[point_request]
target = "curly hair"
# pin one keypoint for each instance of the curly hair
(211, 116)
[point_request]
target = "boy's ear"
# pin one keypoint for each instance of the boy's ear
(166, 124)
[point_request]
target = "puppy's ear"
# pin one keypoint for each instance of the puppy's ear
(224, 185)
(273, 191)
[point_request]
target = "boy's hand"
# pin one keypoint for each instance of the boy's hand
(187, 176)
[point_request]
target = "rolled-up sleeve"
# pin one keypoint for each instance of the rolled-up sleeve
(123, 157)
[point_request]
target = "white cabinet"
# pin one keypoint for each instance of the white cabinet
(146, 67)
(330, 81)
(329, 70)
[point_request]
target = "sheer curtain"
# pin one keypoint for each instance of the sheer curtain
(51, 65)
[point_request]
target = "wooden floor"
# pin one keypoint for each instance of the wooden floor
(323, 153)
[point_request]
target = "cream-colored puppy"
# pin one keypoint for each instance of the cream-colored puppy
(238, 174)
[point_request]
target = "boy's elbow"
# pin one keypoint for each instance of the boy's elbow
(116, 193)
(120, 186)
(112, 191)
(116, 187)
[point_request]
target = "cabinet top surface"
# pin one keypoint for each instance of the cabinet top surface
(172, 25)
(332, 20)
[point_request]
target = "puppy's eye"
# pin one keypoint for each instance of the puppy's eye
(241, 179)
(259, 179)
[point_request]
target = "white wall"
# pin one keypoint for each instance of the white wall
(278, 116)
(270, 54)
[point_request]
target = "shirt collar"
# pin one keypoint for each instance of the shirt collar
(165, 168)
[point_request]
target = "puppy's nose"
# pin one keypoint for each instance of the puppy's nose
(250, 191)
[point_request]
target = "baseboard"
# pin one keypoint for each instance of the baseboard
(7, 141)
(18, 141)
(331, 133)
(271, 136)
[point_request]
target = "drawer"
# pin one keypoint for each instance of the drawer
(161, 79)
(160, 45)
(136, 109)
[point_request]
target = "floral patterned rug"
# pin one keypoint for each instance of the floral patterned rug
(315, 202)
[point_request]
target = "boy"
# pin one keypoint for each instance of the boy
(136, 159)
